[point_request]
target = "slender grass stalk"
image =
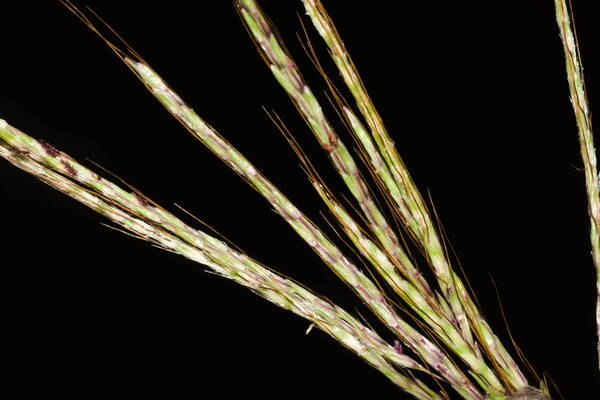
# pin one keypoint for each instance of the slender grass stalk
(149, 222)
(586, 137)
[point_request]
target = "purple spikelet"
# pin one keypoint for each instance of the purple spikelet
(51, 151)
(70, 170)
(20, 152)
(398, 347)
(141, 200)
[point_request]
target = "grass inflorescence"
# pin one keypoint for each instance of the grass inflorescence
(394, 257)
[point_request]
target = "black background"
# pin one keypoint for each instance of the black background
(475, 96)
